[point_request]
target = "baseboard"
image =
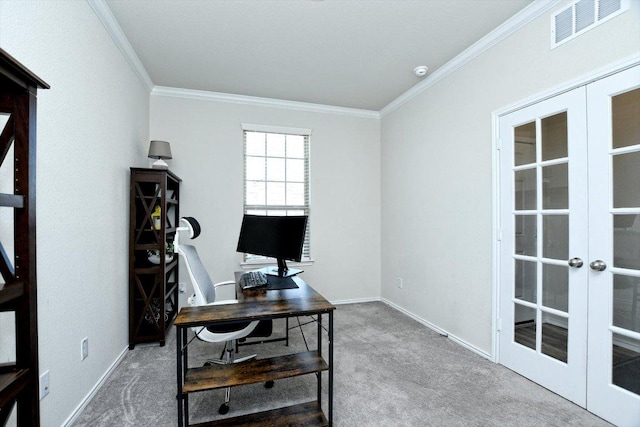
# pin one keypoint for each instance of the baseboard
(440, 331)
(76, 412)
(355, 301)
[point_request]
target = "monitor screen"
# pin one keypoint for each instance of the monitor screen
(280, 237)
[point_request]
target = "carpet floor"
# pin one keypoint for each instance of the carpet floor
(389, 370)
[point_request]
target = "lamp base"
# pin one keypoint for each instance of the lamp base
(160, 164)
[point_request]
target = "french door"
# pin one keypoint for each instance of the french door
(569, 306)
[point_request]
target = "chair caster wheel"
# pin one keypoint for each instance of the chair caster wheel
(224, 408)
(207, 364)
(268, 384)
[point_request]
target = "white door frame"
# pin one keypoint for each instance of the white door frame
(495, 122)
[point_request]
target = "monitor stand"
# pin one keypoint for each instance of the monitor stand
(273, 271)
(281, 270)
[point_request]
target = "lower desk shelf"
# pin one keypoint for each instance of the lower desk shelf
(303, 415)
(253, 371)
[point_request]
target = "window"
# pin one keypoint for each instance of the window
(276, 175)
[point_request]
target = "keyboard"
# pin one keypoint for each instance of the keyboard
(253, 279)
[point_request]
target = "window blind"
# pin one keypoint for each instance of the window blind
(276, 176)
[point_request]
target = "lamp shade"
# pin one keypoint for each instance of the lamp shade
(159, 150)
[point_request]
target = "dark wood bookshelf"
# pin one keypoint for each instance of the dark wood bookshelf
(19, 389)
(153, 288)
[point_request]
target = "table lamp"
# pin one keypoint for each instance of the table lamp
(159, 150)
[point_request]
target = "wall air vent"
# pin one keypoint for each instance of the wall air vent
(582, 15)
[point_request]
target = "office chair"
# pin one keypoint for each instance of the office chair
(205, 294)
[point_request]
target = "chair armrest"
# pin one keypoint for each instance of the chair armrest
(224, 301)
(225, 283)
(221, 302)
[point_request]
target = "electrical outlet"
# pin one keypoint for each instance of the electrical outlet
(400, 284)
(183, 287)
(84, 348)
(44, 384)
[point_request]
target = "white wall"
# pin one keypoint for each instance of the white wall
(207, 146)
(92, 125)
(437, 170)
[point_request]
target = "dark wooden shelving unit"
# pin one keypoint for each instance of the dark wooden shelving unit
(19, 378)
(153, 288)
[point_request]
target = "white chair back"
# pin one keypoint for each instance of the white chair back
(202, 283)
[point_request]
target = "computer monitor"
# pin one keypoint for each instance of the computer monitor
(280, 237)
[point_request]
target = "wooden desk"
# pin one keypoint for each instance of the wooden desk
(259, 305)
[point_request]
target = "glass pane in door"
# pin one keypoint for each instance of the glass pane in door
(525, 281)
(625, 112)
(625, 367)
(555, 239)
(626, 180)
(554, 336)
(555, 292)
(525, 144)
(525, 326)
(554, 136)
(626, 241)
(626, 302)
(525, 189)
(526, 235)
(555, 186)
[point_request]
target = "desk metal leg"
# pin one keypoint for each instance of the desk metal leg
(319, 374)
(185, 363)
(330, 397)
(179, 374)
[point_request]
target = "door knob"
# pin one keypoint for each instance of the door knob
(575, 262)
(598, 265)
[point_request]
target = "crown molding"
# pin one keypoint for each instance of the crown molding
(114, 30)
(261, 102)
(519, 20)
(522, 18)
(104, 14)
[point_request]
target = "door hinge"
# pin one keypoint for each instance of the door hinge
(498, 144)
(499, 235)
(499, 325)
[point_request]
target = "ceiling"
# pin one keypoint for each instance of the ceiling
(346, 53)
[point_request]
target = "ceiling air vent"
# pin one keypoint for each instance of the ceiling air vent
(582, 15)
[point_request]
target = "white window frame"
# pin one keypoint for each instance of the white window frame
(250, 260)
